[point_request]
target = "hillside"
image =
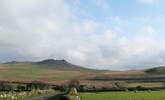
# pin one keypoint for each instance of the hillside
(49, 64)
(156, 70)
(59, 64)
(47, 70)
(51, 70)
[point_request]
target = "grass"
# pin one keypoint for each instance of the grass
(27, 71)
(146, 85)
(154, 95)
(30, 72)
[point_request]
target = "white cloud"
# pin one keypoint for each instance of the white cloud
(148, 1)
(38, 29)
(102, 4)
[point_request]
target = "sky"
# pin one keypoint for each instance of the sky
(102, 34)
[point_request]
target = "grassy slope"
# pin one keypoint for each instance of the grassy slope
(156, 70)
(28, 71)
(124, 96)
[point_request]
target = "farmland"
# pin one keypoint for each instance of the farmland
(17, 77)
(154, 95)
(30, 72)
(58, 72)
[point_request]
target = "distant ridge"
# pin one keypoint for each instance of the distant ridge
(59, 64)
(156, 70)
(65, 65)
(51, 63)
(11, 62)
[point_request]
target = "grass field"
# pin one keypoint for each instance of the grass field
(27, 71)
(154, 95)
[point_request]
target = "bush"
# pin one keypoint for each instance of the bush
(74, 83)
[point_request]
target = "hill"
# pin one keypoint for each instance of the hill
(50, 64)
(59, 64)
(156, 70)
(48, 70)
(51, 70)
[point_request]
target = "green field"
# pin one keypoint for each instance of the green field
(28, 71)
(154, 95)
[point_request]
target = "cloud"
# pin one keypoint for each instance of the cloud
(39, 29)
(102, 4)
(148, 1)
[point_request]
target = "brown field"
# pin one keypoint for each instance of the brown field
(26, 72)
